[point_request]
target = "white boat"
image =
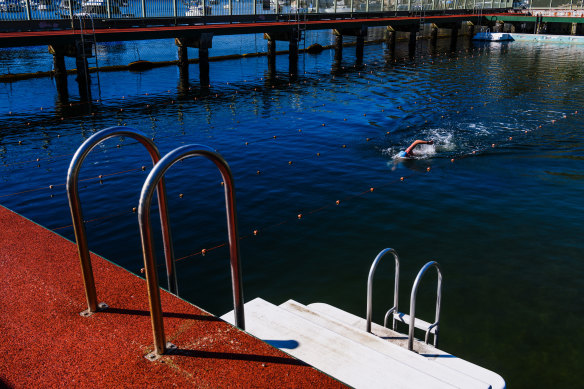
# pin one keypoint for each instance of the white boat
(492, 36)
(99, 8)
(11, 6)
(195, 8)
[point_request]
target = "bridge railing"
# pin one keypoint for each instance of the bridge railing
(22, 10)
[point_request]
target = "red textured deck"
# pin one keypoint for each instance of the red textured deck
(44, 342)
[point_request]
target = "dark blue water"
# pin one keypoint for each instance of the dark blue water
(503, 219)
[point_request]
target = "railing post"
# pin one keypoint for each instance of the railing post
(144, 8)
(109, 9)
(231, 7)
(156, 176)
(413, 303)
(28, 10)
(367, 6)
(175, 8)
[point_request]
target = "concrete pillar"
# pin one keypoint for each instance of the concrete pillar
(471, 29)
(183, 61)
(203, 42)
(412, 43)
(433, 35)
(453, 37)
(574, 30)
(271, 52)
(359, 48)
(204, 66)
(391, 40)
(293, 55)
(83, 77)
(60, 72)
(338, 47)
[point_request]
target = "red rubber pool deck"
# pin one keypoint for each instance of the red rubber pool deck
(44, 342)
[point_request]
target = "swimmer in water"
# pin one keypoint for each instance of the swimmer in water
(409, 152)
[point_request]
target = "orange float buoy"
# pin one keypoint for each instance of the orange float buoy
(371, 189)
(452, 160)
(203, 252)
(344, 146)
(299, 216)
(258, 172)
(338, 202)
(134, 209)
(181, 195)
(255, 232)
(401, 178)
(318, 154)
(428, 169)
(289, 162)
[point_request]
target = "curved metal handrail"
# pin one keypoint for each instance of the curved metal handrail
(413, 305)
(77, 213)
(155, 176)
(370, 287)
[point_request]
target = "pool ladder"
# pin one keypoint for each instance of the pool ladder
(393, 313)
(154, 181)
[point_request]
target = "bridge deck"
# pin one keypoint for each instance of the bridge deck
(31, 38)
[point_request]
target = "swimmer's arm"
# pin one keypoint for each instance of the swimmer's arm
(418, 142)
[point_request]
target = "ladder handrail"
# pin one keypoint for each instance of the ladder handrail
(370, 286)
(77, 212)
(413, 304)
(156, 176)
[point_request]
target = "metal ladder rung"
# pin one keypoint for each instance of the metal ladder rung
(419, 323)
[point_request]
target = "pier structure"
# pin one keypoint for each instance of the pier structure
(75, 33)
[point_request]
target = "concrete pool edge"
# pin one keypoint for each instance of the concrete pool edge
(45, 340)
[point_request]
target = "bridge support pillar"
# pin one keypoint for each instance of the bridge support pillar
(60, 72)
(183, 62)
(433, 35)
(412, 43)
(203, 42)
(574, 30)
(471, 29)
(359, 48)
(293, 56)
(80, 51)
(453, 37)
(390, 39)
(360, 34)
(338, 46)
(287, 36)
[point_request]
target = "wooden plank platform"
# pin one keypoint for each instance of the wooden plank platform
(44, 342)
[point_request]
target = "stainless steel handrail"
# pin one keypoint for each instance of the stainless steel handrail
(155, 176)
(370, 287)
(77, 213)
(413, 305)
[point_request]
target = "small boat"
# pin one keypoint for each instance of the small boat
(492, 36)
(11, 6)
(99, 8)
(195, 8)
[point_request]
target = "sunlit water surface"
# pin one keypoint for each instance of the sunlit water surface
(497, 200)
